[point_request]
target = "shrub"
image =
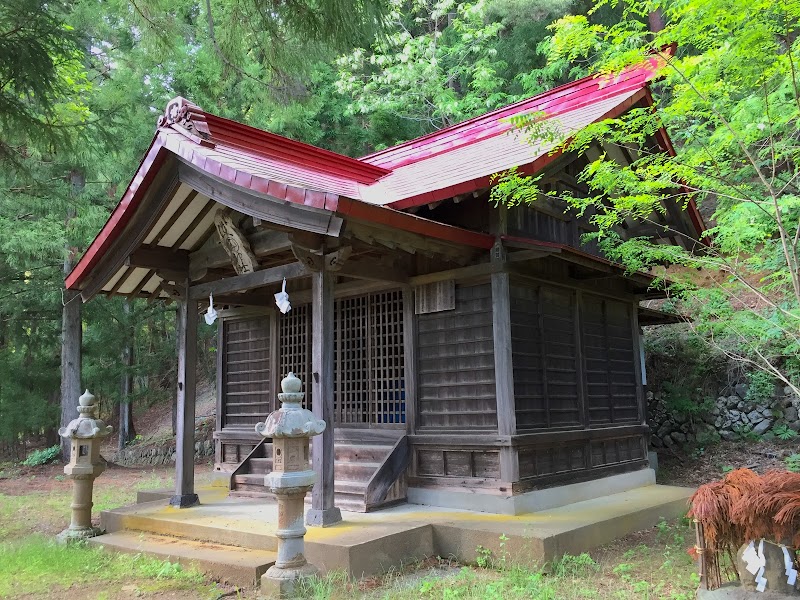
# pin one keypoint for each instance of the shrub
(43, 456)
(792, 463)
(762, 388)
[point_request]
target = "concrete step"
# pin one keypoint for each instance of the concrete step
(232, 565)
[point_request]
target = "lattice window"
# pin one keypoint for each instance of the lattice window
(388, 404)
(246, 374)
(369, 370)
(351, 374)
(294, 348)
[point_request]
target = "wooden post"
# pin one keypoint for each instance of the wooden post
(322, 512)
(410, 358)
(184, 442)
(503, 356)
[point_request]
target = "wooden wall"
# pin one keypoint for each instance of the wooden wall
(455, 364)
(244, 385)
(576, 384)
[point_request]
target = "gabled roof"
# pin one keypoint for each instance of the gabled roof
(449, 162)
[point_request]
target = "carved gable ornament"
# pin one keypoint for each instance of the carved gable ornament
(187, 118)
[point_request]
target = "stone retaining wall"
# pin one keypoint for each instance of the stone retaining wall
(159, 453)
(730, 417)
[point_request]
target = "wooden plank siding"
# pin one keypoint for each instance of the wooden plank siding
(609, 352)
(245, 386)
(455, 377)
(575, 385)
(545, 356)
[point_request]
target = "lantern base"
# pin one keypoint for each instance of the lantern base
(78, 534)
(284, 583)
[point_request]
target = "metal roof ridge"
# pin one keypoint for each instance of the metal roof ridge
(647, 68)
(234, 135)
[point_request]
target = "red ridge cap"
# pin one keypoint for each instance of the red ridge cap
(257, 141)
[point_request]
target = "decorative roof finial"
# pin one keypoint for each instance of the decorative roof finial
(187, 118)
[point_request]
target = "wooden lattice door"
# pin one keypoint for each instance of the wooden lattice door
(369, 370)
(294, 347)
(369, 364)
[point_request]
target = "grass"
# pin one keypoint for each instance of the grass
(657, 568)
(649, 565)
(38, 565)
(34, 565)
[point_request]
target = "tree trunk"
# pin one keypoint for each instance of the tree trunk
(70, 359)
(71, 333)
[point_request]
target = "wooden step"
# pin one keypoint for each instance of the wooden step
(233, 565)
(354, 471)
(260, 465)
(361, 452)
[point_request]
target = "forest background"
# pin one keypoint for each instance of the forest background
(82, 84)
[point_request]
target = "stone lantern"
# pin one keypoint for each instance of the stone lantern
(85, 434)
(291, 428)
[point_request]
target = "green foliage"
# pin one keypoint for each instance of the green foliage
(761, 388)
(443, 62)
(43, 456)
(783, 432)
(746, 432)
(792, 463)
(729, 99)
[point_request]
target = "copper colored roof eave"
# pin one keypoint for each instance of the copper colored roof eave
(165, 144)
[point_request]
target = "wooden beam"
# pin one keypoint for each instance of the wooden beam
(235, 244)
(261, 206)
(308, 258)
(154, 257)
(263, 243)
(307, 240)
(323, 512)
(410, 358)
(187, 394)
(503, 359)
(460, 273)
(374, 272)
(249, 281)
(521, 255)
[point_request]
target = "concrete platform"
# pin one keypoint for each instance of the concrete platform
(234, 565)
(365, 544)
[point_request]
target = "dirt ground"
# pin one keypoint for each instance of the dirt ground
(696, 467)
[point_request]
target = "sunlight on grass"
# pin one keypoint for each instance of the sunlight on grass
(660, 571)
(38, 565)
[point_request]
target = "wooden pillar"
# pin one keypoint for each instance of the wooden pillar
(503, 365)
(410, 359)
(322, 512)
(184, 442)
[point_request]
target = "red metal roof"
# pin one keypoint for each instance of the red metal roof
(453, 161)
